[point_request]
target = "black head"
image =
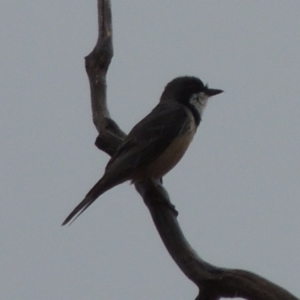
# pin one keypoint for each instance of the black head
(181, 89)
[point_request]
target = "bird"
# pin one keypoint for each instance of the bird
(156, 143)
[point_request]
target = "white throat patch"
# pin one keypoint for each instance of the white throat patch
(198, 101)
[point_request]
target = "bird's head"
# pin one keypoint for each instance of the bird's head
(189, 91)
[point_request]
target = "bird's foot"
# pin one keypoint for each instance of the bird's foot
(155, 195)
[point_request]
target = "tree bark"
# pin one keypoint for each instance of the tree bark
(213, 282)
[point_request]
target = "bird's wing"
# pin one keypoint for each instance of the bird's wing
(148, 139)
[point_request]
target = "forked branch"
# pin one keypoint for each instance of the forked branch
(213, 282)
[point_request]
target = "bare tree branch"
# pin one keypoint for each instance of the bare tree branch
(96, 64)
(213, 282)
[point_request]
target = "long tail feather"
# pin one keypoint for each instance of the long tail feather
(99, 188)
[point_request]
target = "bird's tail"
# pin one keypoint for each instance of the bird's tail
(99, 188)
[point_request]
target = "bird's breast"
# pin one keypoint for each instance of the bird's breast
(171, 156)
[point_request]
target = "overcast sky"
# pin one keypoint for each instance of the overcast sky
(237, 188)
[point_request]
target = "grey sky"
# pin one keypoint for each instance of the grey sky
(237, 188)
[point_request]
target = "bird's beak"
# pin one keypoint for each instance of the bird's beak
(213, 92)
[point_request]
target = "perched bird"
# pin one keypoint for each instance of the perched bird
(157, 143)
